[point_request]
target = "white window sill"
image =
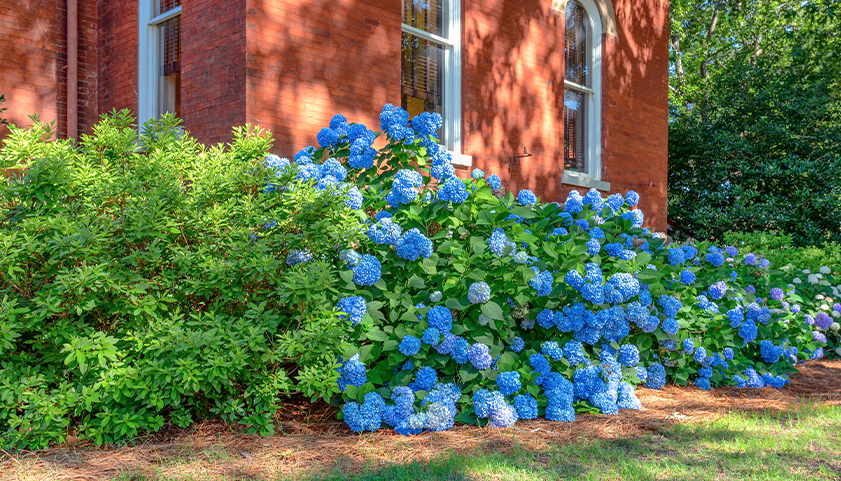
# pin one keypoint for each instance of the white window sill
(461, 159)
(580, 179)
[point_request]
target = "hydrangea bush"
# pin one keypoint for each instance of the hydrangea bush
(487, 308)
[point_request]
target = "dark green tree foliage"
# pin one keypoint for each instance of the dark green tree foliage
(755, 128)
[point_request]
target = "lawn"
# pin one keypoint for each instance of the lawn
(682, 433)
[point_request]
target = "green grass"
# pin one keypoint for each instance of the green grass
(785, 446)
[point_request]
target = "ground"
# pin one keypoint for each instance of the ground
(681, 433)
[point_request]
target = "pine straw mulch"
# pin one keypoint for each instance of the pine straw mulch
(311, 437)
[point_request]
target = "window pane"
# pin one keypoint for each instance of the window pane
(169, 66)
(427, 15)
(164, 6)
(575, 132)
(576, 44)
(422, 87)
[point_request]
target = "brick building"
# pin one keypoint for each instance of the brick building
(581, 85)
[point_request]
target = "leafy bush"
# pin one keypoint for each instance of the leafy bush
(474, 307)
(780, 250)
(150, 285)
(175, 281)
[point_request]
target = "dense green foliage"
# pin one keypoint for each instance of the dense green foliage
(755, 128)
(781, 250)
(172, 282)
(133, 292)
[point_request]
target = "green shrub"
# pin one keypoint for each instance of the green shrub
(780, 250)
(141, 284)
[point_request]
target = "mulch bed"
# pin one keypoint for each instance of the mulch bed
(311, 437)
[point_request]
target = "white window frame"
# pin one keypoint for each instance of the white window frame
(452, 78)
(147, 96)
(592, 175)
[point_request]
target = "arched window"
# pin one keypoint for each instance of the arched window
(582, 95)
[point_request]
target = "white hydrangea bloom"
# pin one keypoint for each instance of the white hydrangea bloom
(824, 307)
(824, 283)
(836, 314)
(825, 270)
(435, 296)
(806, 271)
(835, 326)
(796, 280)
(813, 279)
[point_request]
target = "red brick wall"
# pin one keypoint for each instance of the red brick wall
(33, 59)
(512, 91)
(213, 71)
(635, 105)
(310, 59)
(512, 97)
(119, 50)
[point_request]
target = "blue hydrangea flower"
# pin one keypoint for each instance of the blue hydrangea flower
(670, 326)
(479, 356)
(632, 198)
(574, 279)
(670, 305)
(327, 137)
(625, 284)
(593, 293)
(676, 257)
(688, 346)
(409, 345)
(508, 382)
(453, 191)
(413, 245)
(494, 182)
(574, 352)
(700, 355)
(629, 355)
(352, 373)
(715, 258)
(404, 188)
(703, 383)
(539, 363)
(552, 350)
(718, 290)
(479, 293)
(368, 271)
(613, 249)
(593, 247)
(777, 294)
(526, 406)
(518, 344)
(728, 353)
(427, 123)
(431, 336)
(687, 277)
(460, 350)
(440, 318)
(385, 231)
(477, 174)
(656, 376)
(355, 308)
(542, 282)
(426, 378)
(546, 318)
(526, 197)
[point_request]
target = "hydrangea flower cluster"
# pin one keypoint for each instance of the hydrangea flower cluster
(628, 308)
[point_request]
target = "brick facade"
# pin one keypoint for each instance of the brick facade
(289, 65)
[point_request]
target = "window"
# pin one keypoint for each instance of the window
(160, 58)
(582, 95)
(431, 66)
